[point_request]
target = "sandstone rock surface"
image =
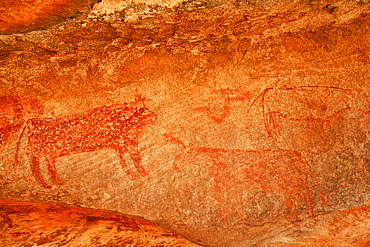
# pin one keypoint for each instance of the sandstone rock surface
(232, 123)
(36, 224)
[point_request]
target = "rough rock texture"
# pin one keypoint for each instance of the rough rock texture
(25, 15)
(36, 224)
(233, 123)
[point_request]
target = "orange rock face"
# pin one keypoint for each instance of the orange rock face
(24, 15)
(42, 224)
(233, 123)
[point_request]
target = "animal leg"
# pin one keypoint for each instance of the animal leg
(52, 170)
(135, 156)
(129, 172)
(35, 169)
(273, 128)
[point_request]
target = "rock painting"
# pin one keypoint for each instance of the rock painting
(116, 127)
(11, 116)
(313, 115)
(280, 171)
(228, 96)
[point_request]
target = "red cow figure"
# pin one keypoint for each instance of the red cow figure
(114, 127)
(281, 171)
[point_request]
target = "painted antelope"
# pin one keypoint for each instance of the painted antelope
(281, 171)
(116, 127)
(311, 114)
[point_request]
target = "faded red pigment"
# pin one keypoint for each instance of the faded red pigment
(229, 95)
(116, 127)
(11, 116)
(281, 171)
(312, 110)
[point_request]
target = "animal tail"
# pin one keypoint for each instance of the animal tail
(16, 157)
(323, 198)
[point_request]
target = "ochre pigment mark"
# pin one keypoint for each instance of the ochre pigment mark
(313, 110)
(11, 116)
(281, 171)
(114, 127)
(229, 95)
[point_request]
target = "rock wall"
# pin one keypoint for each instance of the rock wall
(36, 224)
(233, 123)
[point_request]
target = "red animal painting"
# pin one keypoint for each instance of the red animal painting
(279, 171)
(116, 127)
(11, 116)
(308, 116)
(228, 96)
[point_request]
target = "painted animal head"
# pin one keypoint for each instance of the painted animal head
(134, 116)
(142, 118)
(142, 114)
(188, 154)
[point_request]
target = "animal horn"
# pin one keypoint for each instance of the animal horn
(174, 140)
